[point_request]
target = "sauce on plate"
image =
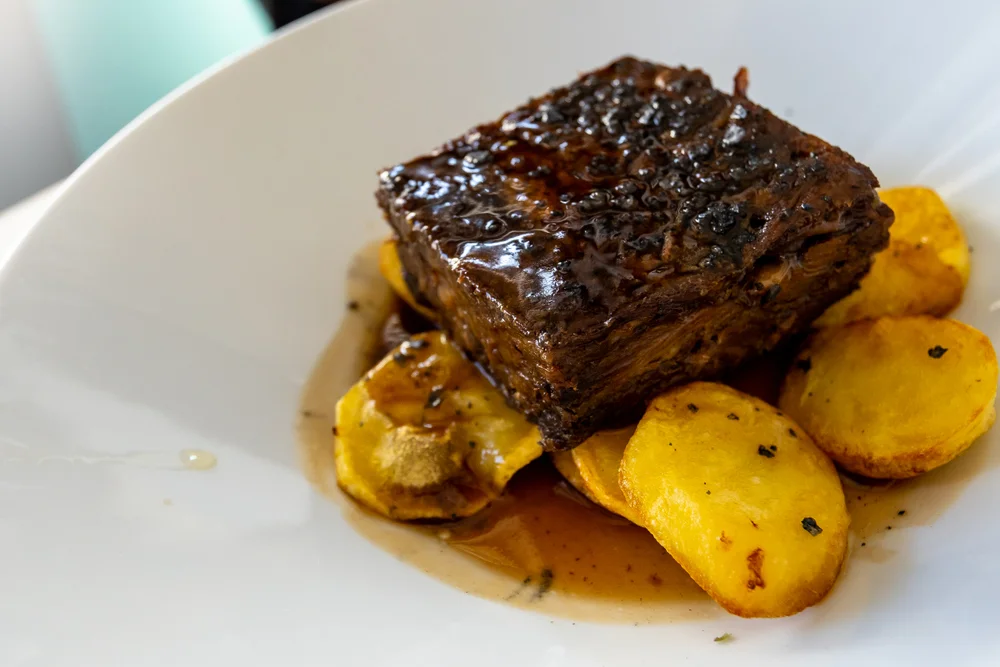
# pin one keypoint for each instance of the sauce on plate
(542, 545)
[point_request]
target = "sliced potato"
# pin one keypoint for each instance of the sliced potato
(425, 436)
(564, 463)
(922, 219)
(740, 496)
(894, 397)
(905, 279)
(922, 272)
(392, 270)
(598, 459)
(592, 469)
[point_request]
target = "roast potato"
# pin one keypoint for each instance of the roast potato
(592, 468)
(893, 397)
(922, 219)
(740, 496)
(564, 463)
(922, 272)
(425, 436)
(392, 270)
(905, 279)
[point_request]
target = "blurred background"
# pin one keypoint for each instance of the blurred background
(74, 72)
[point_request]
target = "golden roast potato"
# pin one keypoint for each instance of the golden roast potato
(923, 219)
(740, 496)
(392, 270)
(592, 468)
(894, 397)
(905, 279)
(564, 463)
(922, 272)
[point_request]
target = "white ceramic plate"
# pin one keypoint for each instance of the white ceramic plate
(178, 293)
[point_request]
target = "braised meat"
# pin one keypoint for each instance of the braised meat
(631, 231)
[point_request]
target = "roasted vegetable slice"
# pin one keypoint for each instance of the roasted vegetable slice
(740, 496)
(922, 219)
(894, 397)
(922, 272)
(392, 270)
(598, 459)
(592, 469)
(425, 436)
(564, 463)
(905, 279)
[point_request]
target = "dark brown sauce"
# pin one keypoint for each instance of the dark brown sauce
(548, 536)
(763, 375)
(880, 507)
(543, 546)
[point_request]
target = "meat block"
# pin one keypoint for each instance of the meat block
(633, 230)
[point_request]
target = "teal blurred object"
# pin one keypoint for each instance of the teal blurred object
(113, 58)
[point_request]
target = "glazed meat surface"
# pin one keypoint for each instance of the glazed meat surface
(631, 231)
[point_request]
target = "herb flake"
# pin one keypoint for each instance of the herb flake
(692, 407)
(435, 398)
(544, 583)
(811, 527)
(765, 452)
(770, 295)
(723, 638)
(936, 352)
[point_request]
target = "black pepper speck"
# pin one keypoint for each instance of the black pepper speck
(811, 527)
(770, 295)
(435, 398)
(937, 352)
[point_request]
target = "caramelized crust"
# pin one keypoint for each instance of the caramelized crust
(635, 229)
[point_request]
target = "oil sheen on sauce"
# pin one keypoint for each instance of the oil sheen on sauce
(542, 545)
